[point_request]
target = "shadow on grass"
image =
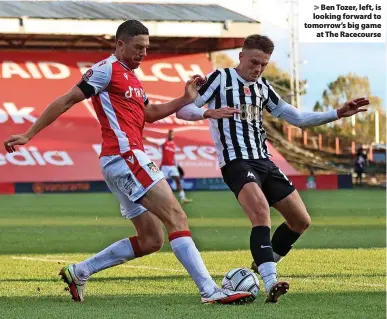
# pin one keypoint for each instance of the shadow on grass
(186, 277)
(308, 305)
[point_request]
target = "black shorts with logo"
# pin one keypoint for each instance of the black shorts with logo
(274, 184)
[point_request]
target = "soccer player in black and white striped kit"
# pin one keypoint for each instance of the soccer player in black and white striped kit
(244, 158)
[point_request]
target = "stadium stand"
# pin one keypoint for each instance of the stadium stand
(45, 48)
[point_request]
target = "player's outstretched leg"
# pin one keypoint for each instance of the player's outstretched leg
(257, 208)
(76, 275)
(186, 252)
(263, 257)
(297, 219)
(297, 222)
(76, 286)
(160, 200)
(149, 239)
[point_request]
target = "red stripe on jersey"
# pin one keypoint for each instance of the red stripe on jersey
(110, 142)
(178, 234)
(120, 109)
(139, 172)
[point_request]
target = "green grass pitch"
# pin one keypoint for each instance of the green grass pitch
(336, 270)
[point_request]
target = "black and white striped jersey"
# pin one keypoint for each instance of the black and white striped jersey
(242, 136)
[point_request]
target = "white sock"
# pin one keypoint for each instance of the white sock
(116, 254)
(186, 252)
(181, 194)
(268, 272)
(277, 258)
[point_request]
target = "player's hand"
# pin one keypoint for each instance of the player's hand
(14, 140)
(221, 113)
(353, 107)
(191, 87)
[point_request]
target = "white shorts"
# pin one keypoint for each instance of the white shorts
(170, 171)
(129, 176)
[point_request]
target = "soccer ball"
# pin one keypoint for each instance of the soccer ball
(241, 279)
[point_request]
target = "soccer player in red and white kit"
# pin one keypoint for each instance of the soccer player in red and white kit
(145, 197)
(169, 164)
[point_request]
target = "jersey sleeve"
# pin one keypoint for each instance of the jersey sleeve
(208, 90)
(273, 101)
(96, 79)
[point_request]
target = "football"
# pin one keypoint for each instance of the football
(241, 279)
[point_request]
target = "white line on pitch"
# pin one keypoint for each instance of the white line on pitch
(42, 259)
(72, 261)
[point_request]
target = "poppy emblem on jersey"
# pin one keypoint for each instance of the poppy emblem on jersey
(153, 168)
(87, 75)
(246, 90)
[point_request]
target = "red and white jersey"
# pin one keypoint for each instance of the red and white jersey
(119, 101)
(169, 151)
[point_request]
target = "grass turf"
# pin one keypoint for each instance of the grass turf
(336, 271)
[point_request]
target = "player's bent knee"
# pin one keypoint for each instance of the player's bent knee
(259, 214)
(301, 225)
(259, 220)
(153, 245)
(260, 209)
(157, 244)
(307, 222)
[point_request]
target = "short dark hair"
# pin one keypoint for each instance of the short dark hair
(130, 28)
(260, 42)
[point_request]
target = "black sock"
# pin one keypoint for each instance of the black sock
(283, 239)
(260, 245)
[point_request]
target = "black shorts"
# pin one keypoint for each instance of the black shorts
(274, 184)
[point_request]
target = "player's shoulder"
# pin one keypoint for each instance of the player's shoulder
(100, 71)
(220, 71)
(215, 73)
(210, 78)
(105, 63)
(224, 70)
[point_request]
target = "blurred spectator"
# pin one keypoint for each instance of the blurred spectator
(360, 163)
